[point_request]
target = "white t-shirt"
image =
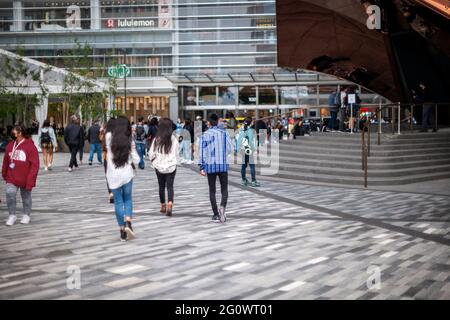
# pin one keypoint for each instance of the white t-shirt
(165, 163)
(118, 177)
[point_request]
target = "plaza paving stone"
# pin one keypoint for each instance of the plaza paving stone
(282, 241)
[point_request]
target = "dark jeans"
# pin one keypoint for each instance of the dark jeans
(223, 178)
(341, 113)
(73, 155)
(165, 180)
(331, 124)
(252, 168)
(140, 148)
(428, 117)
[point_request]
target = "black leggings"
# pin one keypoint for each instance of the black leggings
(165, 180)
(223, 178)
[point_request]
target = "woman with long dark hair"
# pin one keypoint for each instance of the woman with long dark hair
(164, 158)
(121, 155)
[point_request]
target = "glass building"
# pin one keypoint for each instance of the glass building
(187, 57)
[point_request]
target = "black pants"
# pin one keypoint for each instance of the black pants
(73, 155)
(165, 180)
(223, 178)
(428, 117)
(81, 150)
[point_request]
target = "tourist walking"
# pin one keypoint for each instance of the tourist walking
(121, 155)
(164, 158)
(215, 145)
(247, 147)
(95, 145)
(140, 137)
(20, 169)
(74, 138)
(428, 113)
(48, 143)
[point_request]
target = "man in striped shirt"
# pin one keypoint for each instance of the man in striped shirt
(215, 146)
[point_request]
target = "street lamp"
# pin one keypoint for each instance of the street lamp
(124, 51)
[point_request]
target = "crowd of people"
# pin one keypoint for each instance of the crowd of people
(122, 147)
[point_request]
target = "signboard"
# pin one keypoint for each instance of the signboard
(165, 14)
(119, 71)
(130, 23)
(352, 98)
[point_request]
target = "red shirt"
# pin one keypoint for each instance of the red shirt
(26, 164)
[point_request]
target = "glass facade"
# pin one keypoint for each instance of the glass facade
(207, 54)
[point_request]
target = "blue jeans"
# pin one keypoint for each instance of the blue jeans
(251, 162)
(140, 148)
(123, 202)
(97, 148)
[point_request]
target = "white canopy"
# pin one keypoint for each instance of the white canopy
(52, 79)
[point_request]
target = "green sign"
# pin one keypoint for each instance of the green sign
(119, 71)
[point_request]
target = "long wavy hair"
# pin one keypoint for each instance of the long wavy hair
(163, 141)
(121, 141)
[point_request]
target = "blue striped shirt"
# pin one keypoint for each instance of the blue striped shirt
(215, 144)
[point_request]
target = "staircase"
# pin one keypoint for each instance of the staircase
(335, 159)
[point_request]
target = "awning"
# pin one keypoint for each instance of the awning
(276, 76)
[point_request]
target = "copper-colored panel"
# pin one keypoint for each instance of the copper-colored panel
(332, 37)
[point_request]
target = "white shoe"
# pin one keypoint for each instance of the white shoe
(11, 220)
(46, 168)
(25, 219)
(70, 170)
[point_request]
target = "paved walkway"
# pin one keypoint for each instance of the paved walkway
(282, 241)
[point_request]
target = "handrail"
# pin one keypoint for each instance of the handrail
(365, 151)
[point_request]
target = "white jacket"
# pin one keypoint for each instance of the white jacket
(165, 163)
(118, 177)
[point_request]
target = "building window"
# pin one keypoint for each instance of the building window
(307, 95)
(227, 96)
(189, 96)
(207, 96)
(267, 95)
(247, 95)
(56, 16)
(288, 95)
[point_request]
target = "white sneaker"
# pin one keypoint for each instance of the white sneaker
(70, 170)
(25, 219)
(11, 220)
(46, 168)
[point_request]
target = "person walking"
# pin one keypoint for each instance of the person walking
(247, 147)
(333, 103)
(73, 137)
(421, 96)
(152, 131)
(140, 138)
(95, 145)
(164, 158)
(121, 155)
(47, 141)
(20, 169)
(215, 146)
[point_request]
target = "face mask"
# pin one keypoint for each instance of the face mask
(13, 136)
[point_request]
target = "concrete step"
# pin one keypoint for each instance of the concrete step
(355, 163)
(300, 169)
(357, 145)
(355, 180)
(357, 151)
